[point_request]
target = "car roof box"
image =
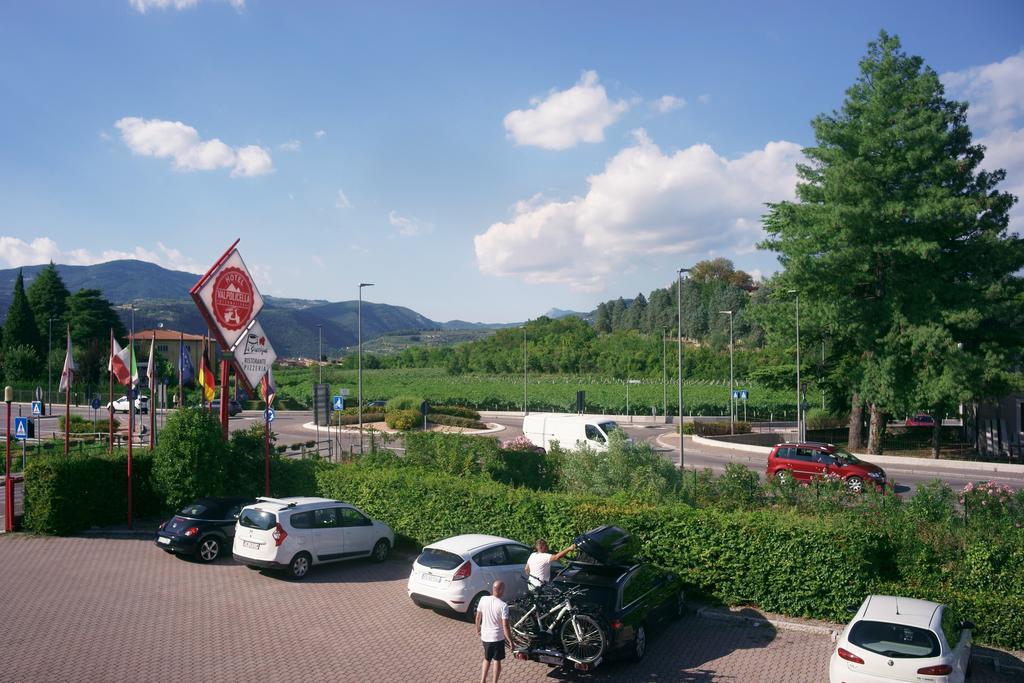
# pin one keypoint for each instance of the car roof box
(608, 545)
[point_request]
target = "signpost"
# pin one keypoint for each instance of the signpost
(254, 354)
(339, 403)
(95, 405)
(21, 428)
(269, 414)
(37, 408)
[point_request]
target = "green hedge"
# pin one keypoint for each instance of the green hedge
(64, 495)
(455, 411)
(404, 420)
(80, 425)
(342, 419)
(455, 421)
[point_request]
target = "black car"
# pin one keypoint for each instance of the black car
(202, 528)
(234, 407)
(629, 596)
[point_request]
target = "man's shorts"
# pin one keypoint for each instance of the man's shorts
(495, 650)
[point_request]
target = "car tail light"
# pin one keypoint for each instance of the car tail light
(279, 534)
(464, 571)
(849, 656)
(161, 527)
(616, 624)
(938, 670)
(191, 531)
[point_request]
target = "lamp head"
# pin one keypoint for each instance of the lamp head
(8, 394)
(365, 284)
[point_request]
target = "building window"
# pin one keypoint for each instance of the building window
(162, 348)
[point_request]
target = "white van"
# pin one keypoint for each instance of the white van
(570, 431)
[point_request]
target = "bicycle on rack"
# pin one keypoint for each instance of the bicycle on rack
(551, 626)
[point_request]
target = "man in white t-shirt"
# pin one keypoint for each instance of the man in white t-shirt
(538, 565)
(492, 628)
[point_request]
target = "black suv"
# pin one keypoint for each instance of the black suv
(629, 596)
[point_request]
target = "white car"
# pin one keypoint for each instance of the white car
(901, 639)
(294, 534)
(121, 404)
(455, 573)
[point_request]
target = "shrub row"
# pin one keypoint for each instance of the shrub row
(460, 455)
(455, 411)
(404, 420)
(455, 421)
(715, 428)
(80, 425)
(343, 419)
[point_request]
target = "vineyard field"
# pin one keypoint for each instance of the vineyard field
(556, 393)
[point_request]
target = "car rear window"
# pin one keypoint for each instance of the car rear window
(257, 519)
(439, 559)
(894, 640)
(195, 511)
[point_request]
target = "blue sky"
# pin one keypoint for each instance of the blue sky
(480, 161)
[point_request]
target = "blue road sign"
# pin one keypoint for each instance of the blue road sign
(133, 393)
(37, 408)
(339, 403)
(269, 414)
(736, 393)
(743, 394)
(95, 403)
(21, 428)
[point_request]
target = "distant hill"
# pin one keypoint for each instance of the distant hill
(556, 313)
(161, 296)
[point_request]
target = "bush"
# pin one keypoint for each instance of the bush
(191, 458)
(634, 470)
(718, 428)
(539, 471)
(450, 453)
(738, 488)
(404, 403)
(454, 411)
(817, 418)
(68, 494)
(404, 420)
(342, 419)
(80, 425)
(453, 421)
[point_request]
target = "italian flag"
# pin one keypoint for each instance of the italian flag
(122, 364)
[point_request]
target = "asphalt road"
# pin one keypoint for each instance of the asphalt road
(289, 429)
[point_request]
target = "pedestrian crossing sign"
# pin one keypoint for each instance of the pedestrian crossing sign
(21, 428)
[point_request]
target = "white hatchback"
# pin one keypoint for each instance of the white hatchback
(901, 639)
(296, 533)
(456, 572)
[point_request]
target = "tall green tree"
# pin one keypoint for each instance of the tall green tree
(898, 243)
(20, 327)
(48, 296)
(91, 318)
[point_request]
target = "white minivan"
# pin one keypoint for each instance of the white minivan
(294, 534)
(570, 431)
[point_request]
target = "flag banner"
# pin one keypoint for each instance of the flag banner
(67, 375)
(206, 379)
(135, 366)
(118, 364)
(267, 387)
(151, 365)
(188, 372)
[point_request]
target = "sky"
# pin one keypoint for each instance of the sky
(476, 161)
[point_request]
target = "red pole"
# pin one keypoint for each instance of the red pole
(152, 399)
(8, 486)
(181, 383)
(224, 397)
(110, 405)
(131, 425)
(67, 404)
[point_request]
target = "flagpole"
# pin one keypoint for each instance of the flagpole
(110, 394)
(266, 438)
(224, 368)
(67, 399)
(131, 413)
(181, 381)
(151, 371)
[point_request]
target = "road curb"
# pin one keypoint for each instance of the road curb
(492, 429)
(131, 534)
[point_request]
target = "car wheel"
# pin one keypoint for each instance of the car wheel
(470, 614)
(299, 566)
(381, 550)
(855, 484)
(208, 550)
(680, 604)
(639, 643)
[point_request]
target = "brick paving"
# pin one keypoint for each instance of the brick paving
(76, 609)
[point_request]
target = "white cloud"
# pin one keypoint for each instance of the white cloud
(15, 252)
(995, 96)
(645, 202)
(317, 261)
(704, 99)
(180, 142)
(320, 133)
(143, 6)
(567, 117)
(290, 146)
(667, 103)
(342, 202)
(409, 226)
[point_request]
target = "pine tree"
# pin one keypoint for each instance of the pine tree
(48, 296)
(898, 241)
(20, 327)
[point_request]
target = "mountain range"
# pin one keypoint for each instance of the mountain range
(160, 296)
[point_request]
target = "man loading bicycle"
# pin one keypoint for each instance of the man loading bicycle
(538, 566)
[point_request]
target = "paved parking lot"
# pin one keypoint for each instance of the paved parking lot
(76, 609)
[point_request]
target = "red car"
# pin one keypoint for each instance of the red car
(804, 461)
(921, 420)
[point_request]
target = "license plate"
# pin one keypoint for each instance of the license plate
(164, 540)
(430, 578)
(548, 659)
(250, 544)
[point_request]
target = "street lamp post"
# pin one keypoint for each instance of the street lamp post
(49, 363)
(732, 390)
(320, 357)
(664, 374)
(359, 330)
(525, 399)
(679, 356)
(8, 486)
(320, 381)
(799, 421)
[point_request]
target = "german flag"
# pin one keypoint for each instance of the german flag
(206, 378)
